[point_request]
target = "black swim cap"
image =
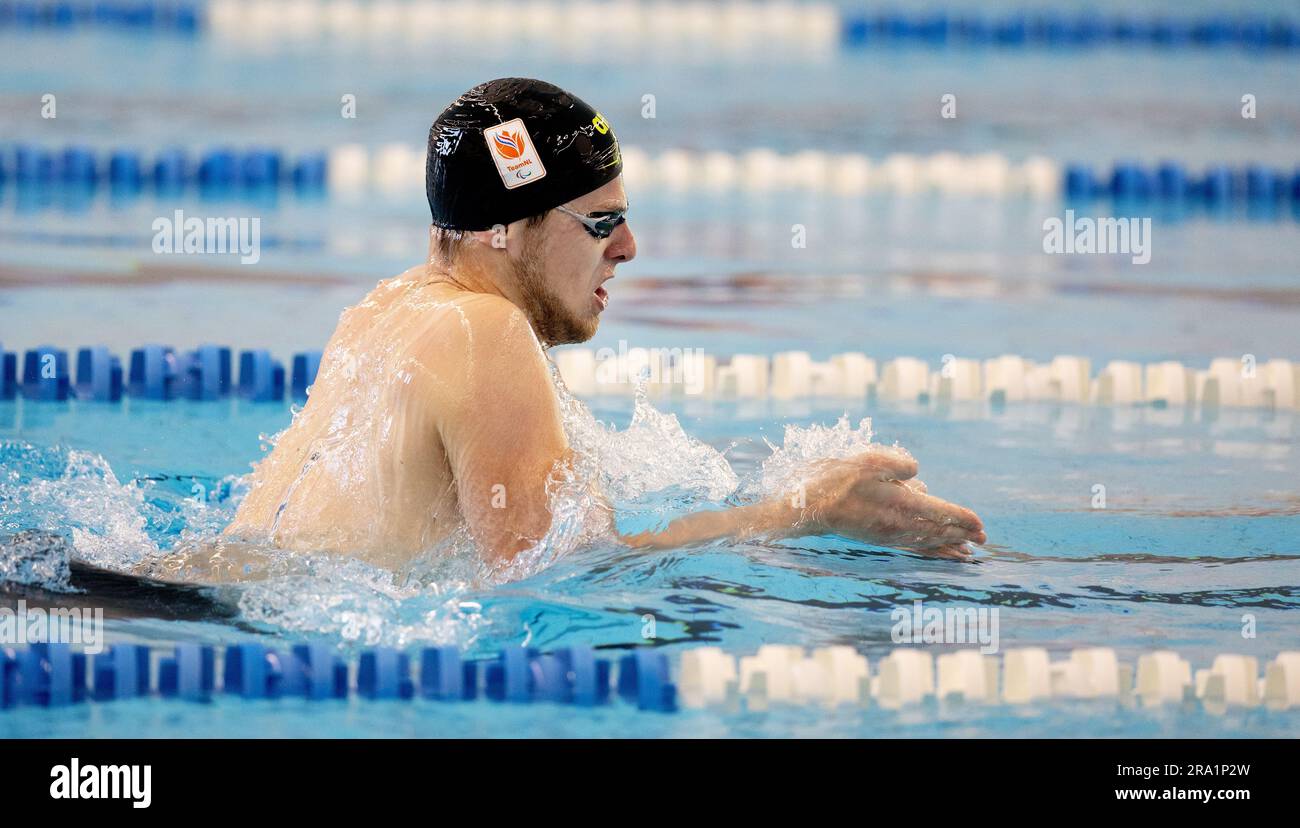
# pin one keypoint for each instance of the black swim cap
(512, 148)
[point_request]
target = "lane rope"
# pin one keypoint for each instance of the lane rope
(208, 373)
(734, 28)
(57, 675)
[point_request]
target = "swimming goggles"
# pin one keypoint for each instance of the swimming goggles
(600, 225)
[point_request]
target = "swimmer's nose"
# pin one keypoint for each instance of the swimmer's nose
(622, 244)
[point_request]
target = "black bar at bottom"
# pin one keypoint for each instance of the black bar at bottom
(243, 779)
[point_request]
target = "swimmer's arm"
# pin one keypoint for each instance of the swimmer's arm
(496, 413)
(769, 520)
(871, 497)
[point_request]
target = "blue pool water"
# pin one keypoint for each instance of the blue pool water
(1200, 525)
(1197, 533)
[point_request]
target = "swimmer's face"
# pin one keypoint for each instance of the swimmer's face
(562, 269)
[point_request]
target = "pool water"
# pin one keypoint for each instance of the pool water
(1198, 536)
(1197, 533)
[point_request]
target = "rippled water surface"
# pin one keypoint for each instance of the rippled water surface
(1198, 532)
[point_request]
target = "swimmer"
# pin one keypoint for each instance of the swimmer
(434, 408)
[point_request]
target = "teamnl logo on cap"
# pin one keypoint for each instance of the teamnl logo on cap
(512, 148)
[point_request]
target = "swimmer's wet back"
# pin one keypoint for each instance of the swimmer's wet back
(512, 148)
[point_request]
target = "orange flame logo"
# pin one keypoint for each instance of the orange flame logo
(509, 145)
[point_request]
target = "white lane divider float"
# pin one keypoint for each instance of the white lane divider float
(1090, 673)
(906, 677)
(706, 677)
(392, 169)
(1282, 681)
(1231, 679)
(1170, 384)
(1026, 675)
(766, 675)
(838, 675)
(736, 27)
(1162, 677)
(905, 378)
(1119, 383)
(968, 675)
(744, 376)
(792, 375)
(830, 676)
(958, 379)
(848, 674)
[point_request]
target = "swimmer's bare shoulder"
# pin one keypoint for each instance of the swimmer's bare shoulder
(496, 414)
(476, 341)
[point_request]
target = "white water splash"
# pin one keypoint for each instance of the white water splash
(802, 449)
(36, 558)
(360, 604)
(654, 454)
(106, 518)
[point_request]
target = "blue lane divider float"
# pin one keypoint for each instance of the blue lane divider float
(8, 374)
(49, 675)
(190, 674)
(169, 16)
(385, 673)
(127, 171)
(315, 672)
(643, 676)
(45, 373)
(99, 375)
(1056, 30)
(123, 673)
(261, 378)
(443, 676)
(155, 372)
(8, 678)
(1254, 184)
(54, 675)
(305, 367)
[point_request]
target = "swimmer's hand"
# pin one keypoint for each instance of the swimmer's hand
(873, 497)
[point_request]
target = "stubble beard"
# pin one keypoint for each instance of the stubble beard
(554, 323)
